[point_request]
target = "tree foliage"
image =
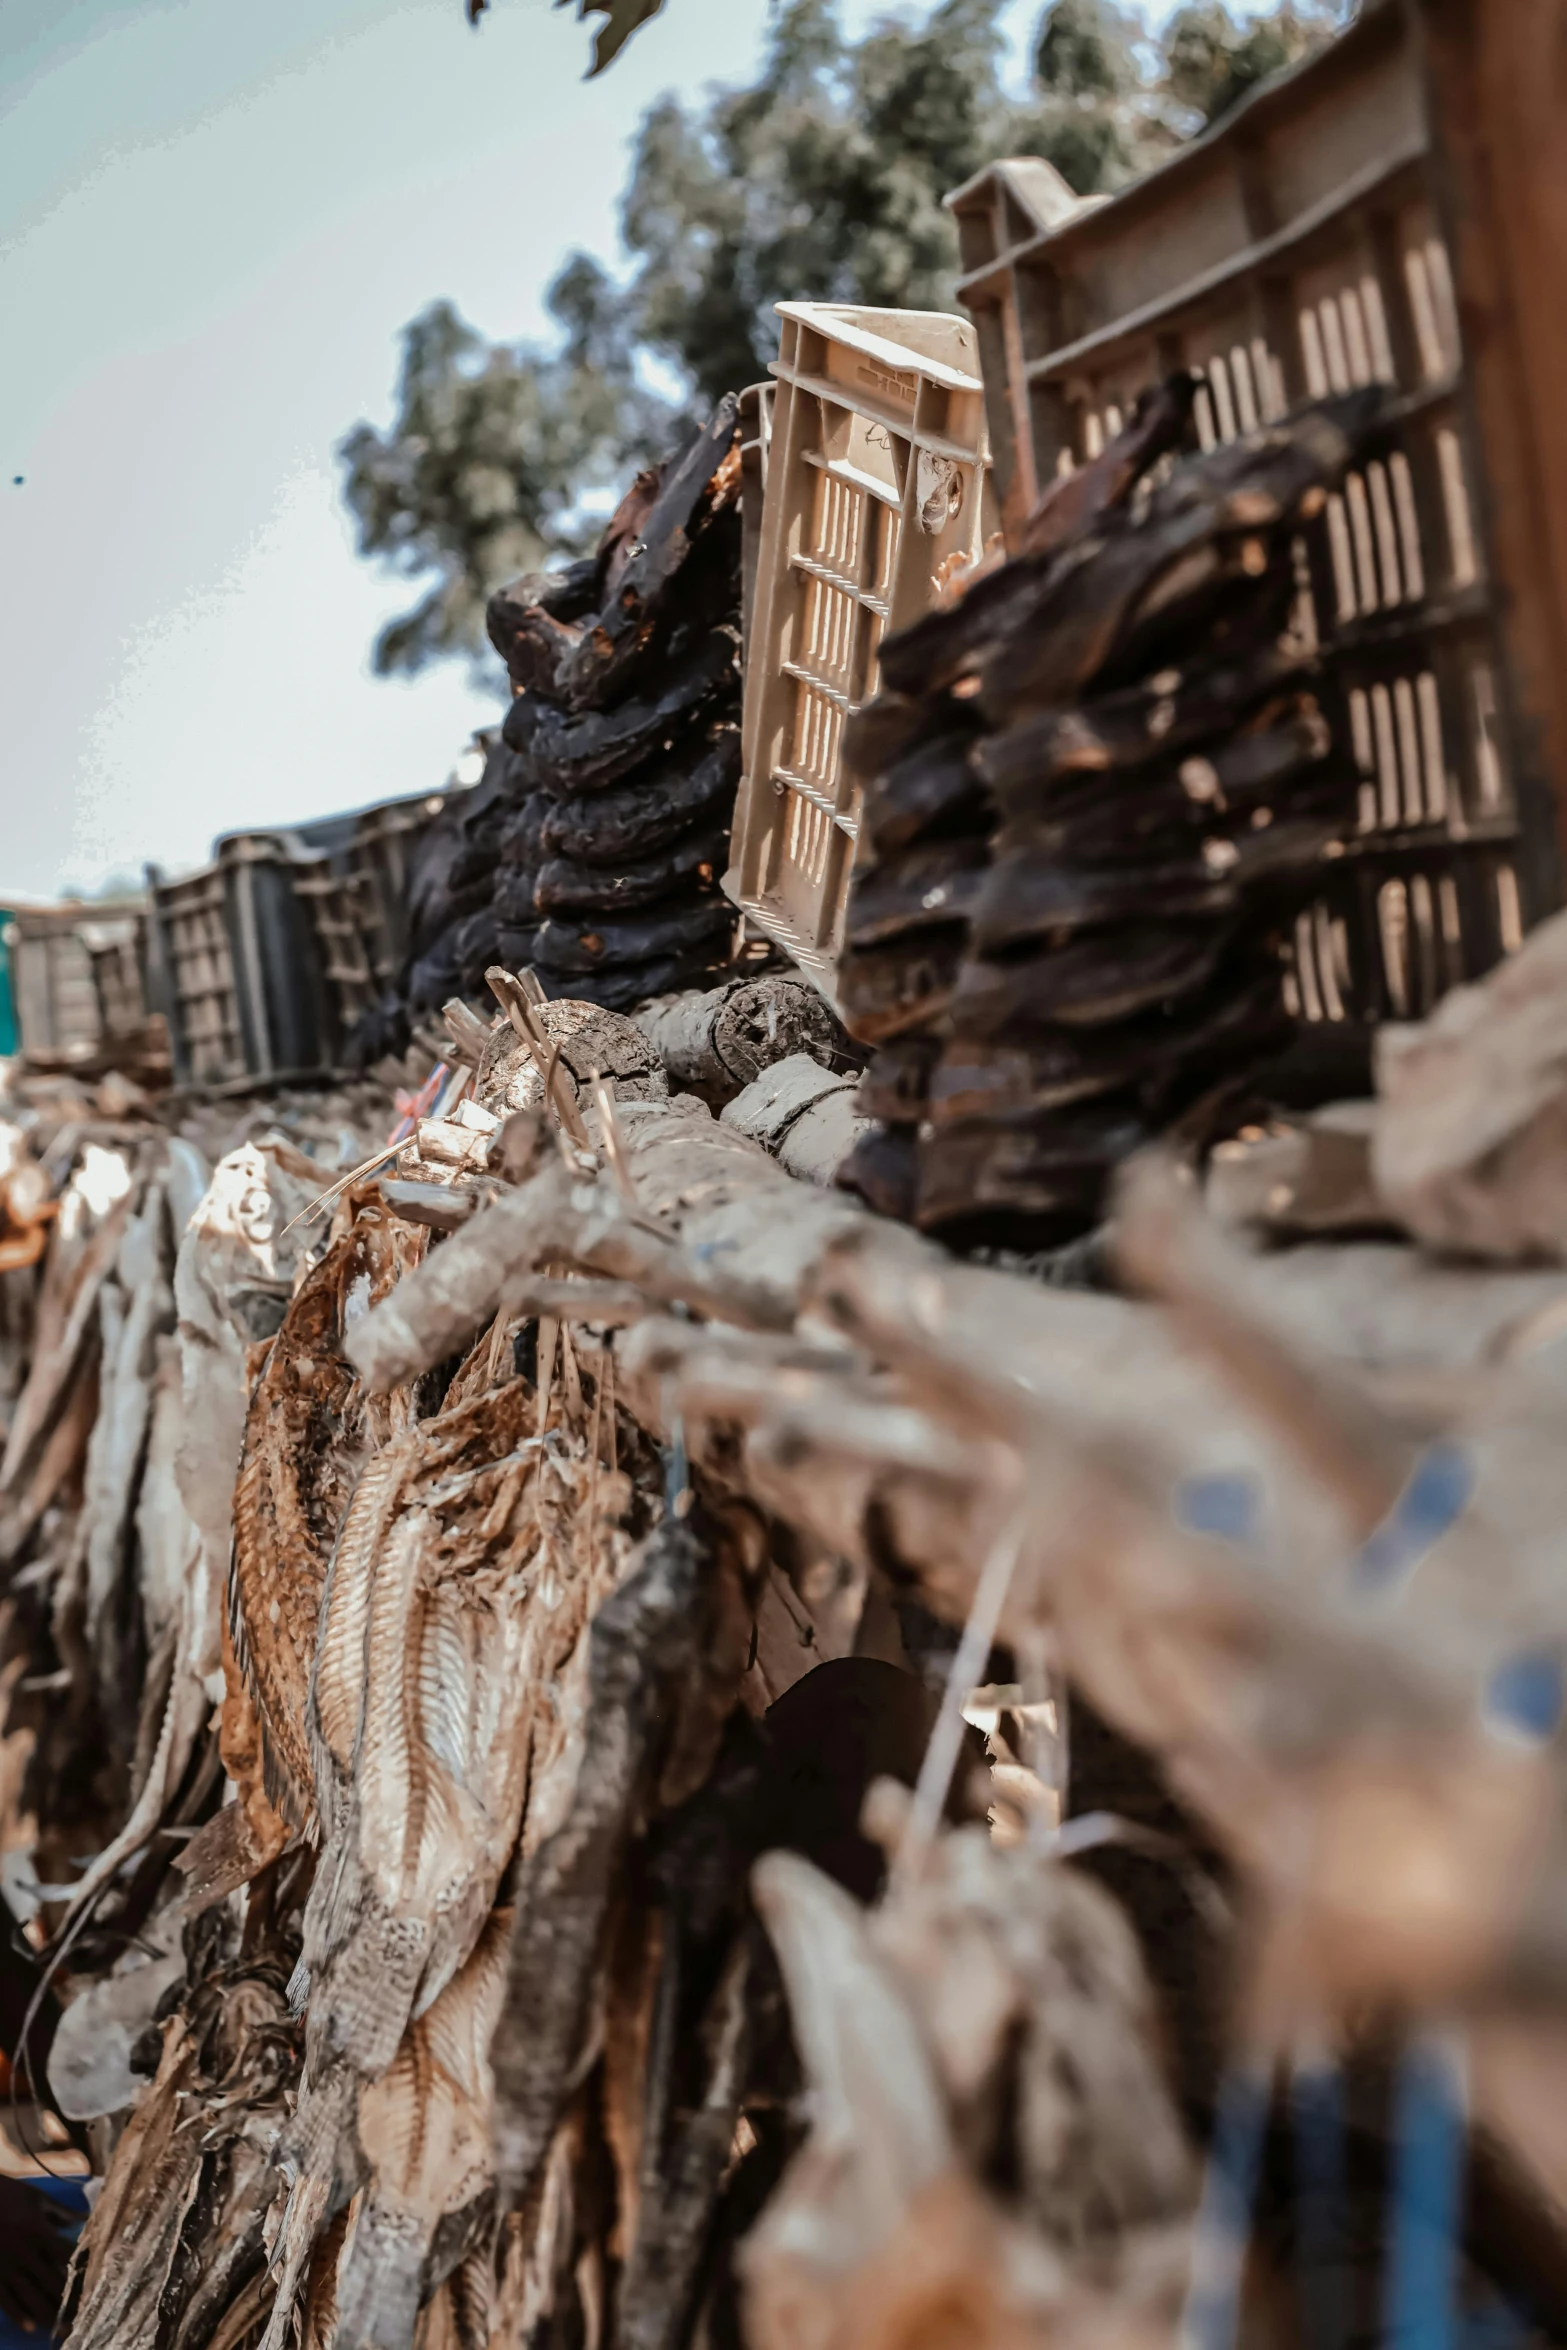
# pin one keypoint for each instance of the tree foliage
(823, 180)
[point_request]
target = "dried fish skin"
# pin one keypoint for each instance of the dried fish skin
(1290, 770)
(883, 1169)
(1158, 720)
(896, 1083)
(682, 2172)
(1157, 1054)
(133, 2235)
(305, 1437)
(1074, 502)
(643, 1645)
(423, 1684)
(424, 2127)
(1030, 896)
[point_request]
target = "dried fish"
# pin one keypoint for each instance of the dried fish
(574, 949)
(307, 1434)
(603, 747)
(641, 1649)
(565, 884)
(631, 821)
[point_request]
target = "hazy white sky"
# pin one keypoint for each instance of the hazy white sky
(214, 219)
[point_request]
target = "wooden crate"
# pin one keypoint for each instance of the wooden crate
(875, 478)
(1296, 250)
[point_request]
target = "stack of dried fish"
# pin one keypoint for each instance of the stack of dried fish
(1142, 704)
(117, 1363)
(625, 739)
(548, 1978)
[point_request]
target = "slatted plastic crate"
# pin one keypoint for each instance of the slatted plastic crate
(756, 434)
(875, 480)
(380, 857)
(1297, 250)
(352, 872)
(237, 968)
(77, 977)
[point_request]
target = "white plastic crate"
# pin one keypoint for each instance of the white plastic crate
(876, 484)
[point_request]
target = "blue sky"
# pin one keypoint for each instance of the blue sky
(215, 216)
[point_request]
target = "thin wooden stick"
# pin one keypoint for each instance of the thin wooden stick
(946, 1739)
(521, 1013)
(549, 1330)
(614, 1142)
(498, 1330)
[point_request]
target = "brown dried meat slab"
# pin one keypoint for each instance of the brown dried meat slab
(932, 789)
(566, 886)
(1218, 520)
(1054, 1167)
(884, 991)
(1076, 502)
(895, 1086)
(646, 814)
(1290, 773)
(561, 752)
(1036, 633)
(883, 1170)
(1030, 895)
(918, 889)
(1096, 977)
(894, 724)
(680, 926)
(1161, 718)
(1231, 1026)
(701, 484)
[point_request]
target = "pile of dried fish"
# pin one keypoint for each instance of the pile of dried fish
(591, 849)
(1140, 705)
(625, 738)
(558, 1526)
